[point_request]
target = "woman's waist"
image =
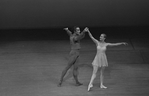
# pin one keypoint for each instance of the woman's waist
(101, 52)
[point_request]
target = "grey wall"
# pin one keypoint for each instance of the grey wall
(59, 13)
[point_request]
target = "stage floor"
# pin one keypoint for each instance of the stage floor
(33, 68)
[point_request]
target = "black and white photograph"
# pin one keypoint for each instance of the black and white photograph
(74, 47)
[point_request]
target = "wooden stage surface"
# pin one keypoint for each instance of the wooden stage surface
(33, 68)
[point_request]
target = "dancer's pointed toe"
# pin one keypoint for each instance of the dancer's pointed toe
(89, 87)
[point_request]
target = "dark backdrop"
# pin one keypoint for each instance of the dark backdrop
(60, 13)
(45, 19)
(59, 34)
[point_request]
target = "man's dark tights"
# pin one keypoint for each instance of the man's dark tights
(75, 71)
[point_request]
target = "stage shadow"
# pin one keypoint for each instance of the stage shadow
(70, 71)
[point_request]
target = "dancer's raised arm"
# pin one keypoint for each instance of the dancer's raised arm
(68, 31)
(82, 34)
(91, 36)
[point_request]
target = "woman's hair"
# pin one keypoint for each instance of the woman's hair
(104, 35)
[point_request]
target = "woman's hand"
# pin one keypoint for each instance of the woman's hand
(86, 29)
(125, 43)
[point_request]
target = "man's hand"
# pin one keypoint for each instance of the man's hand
(65, 28)
(86, 29)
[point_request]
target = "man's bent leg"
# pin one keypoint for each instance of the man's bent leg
(70, 63)
(75, 72)
(63, 74)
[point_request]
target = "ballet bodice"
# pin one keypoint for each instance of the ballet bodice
(101, 48)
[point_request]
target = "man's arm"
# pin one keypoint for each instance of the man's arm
(82, 35)
(68, 31)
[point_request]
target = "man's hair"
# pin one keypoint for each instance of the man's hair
(75, 28)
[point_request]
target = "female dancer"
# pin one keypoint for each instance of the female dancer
(100, 59)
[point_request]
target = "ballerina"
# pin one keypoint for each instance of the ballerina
(100, 60)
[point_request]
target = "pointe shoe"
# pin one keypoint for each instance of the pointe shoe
(89, 87)
(102, 86)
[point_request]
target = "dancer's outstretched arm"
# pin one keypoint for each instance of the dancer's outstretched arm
(91, 36)
(68, 31)
(82, 35)
(116, 44)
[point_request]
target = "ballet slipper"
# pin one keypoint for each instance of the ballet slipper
(89, 87)
(102, 86)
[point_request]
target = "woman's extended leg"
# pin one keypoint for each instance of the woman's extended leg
(102, 77)
(95, 69)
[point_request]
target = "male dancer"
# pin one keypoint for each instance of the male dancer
(74, 53)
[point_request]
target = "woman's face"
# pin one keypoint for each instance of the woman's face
(102, 37)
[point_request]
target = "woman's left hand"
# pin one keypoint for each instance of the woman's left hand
(125, 43)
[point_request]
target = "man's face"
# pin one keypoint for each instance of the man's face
(78, 30)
